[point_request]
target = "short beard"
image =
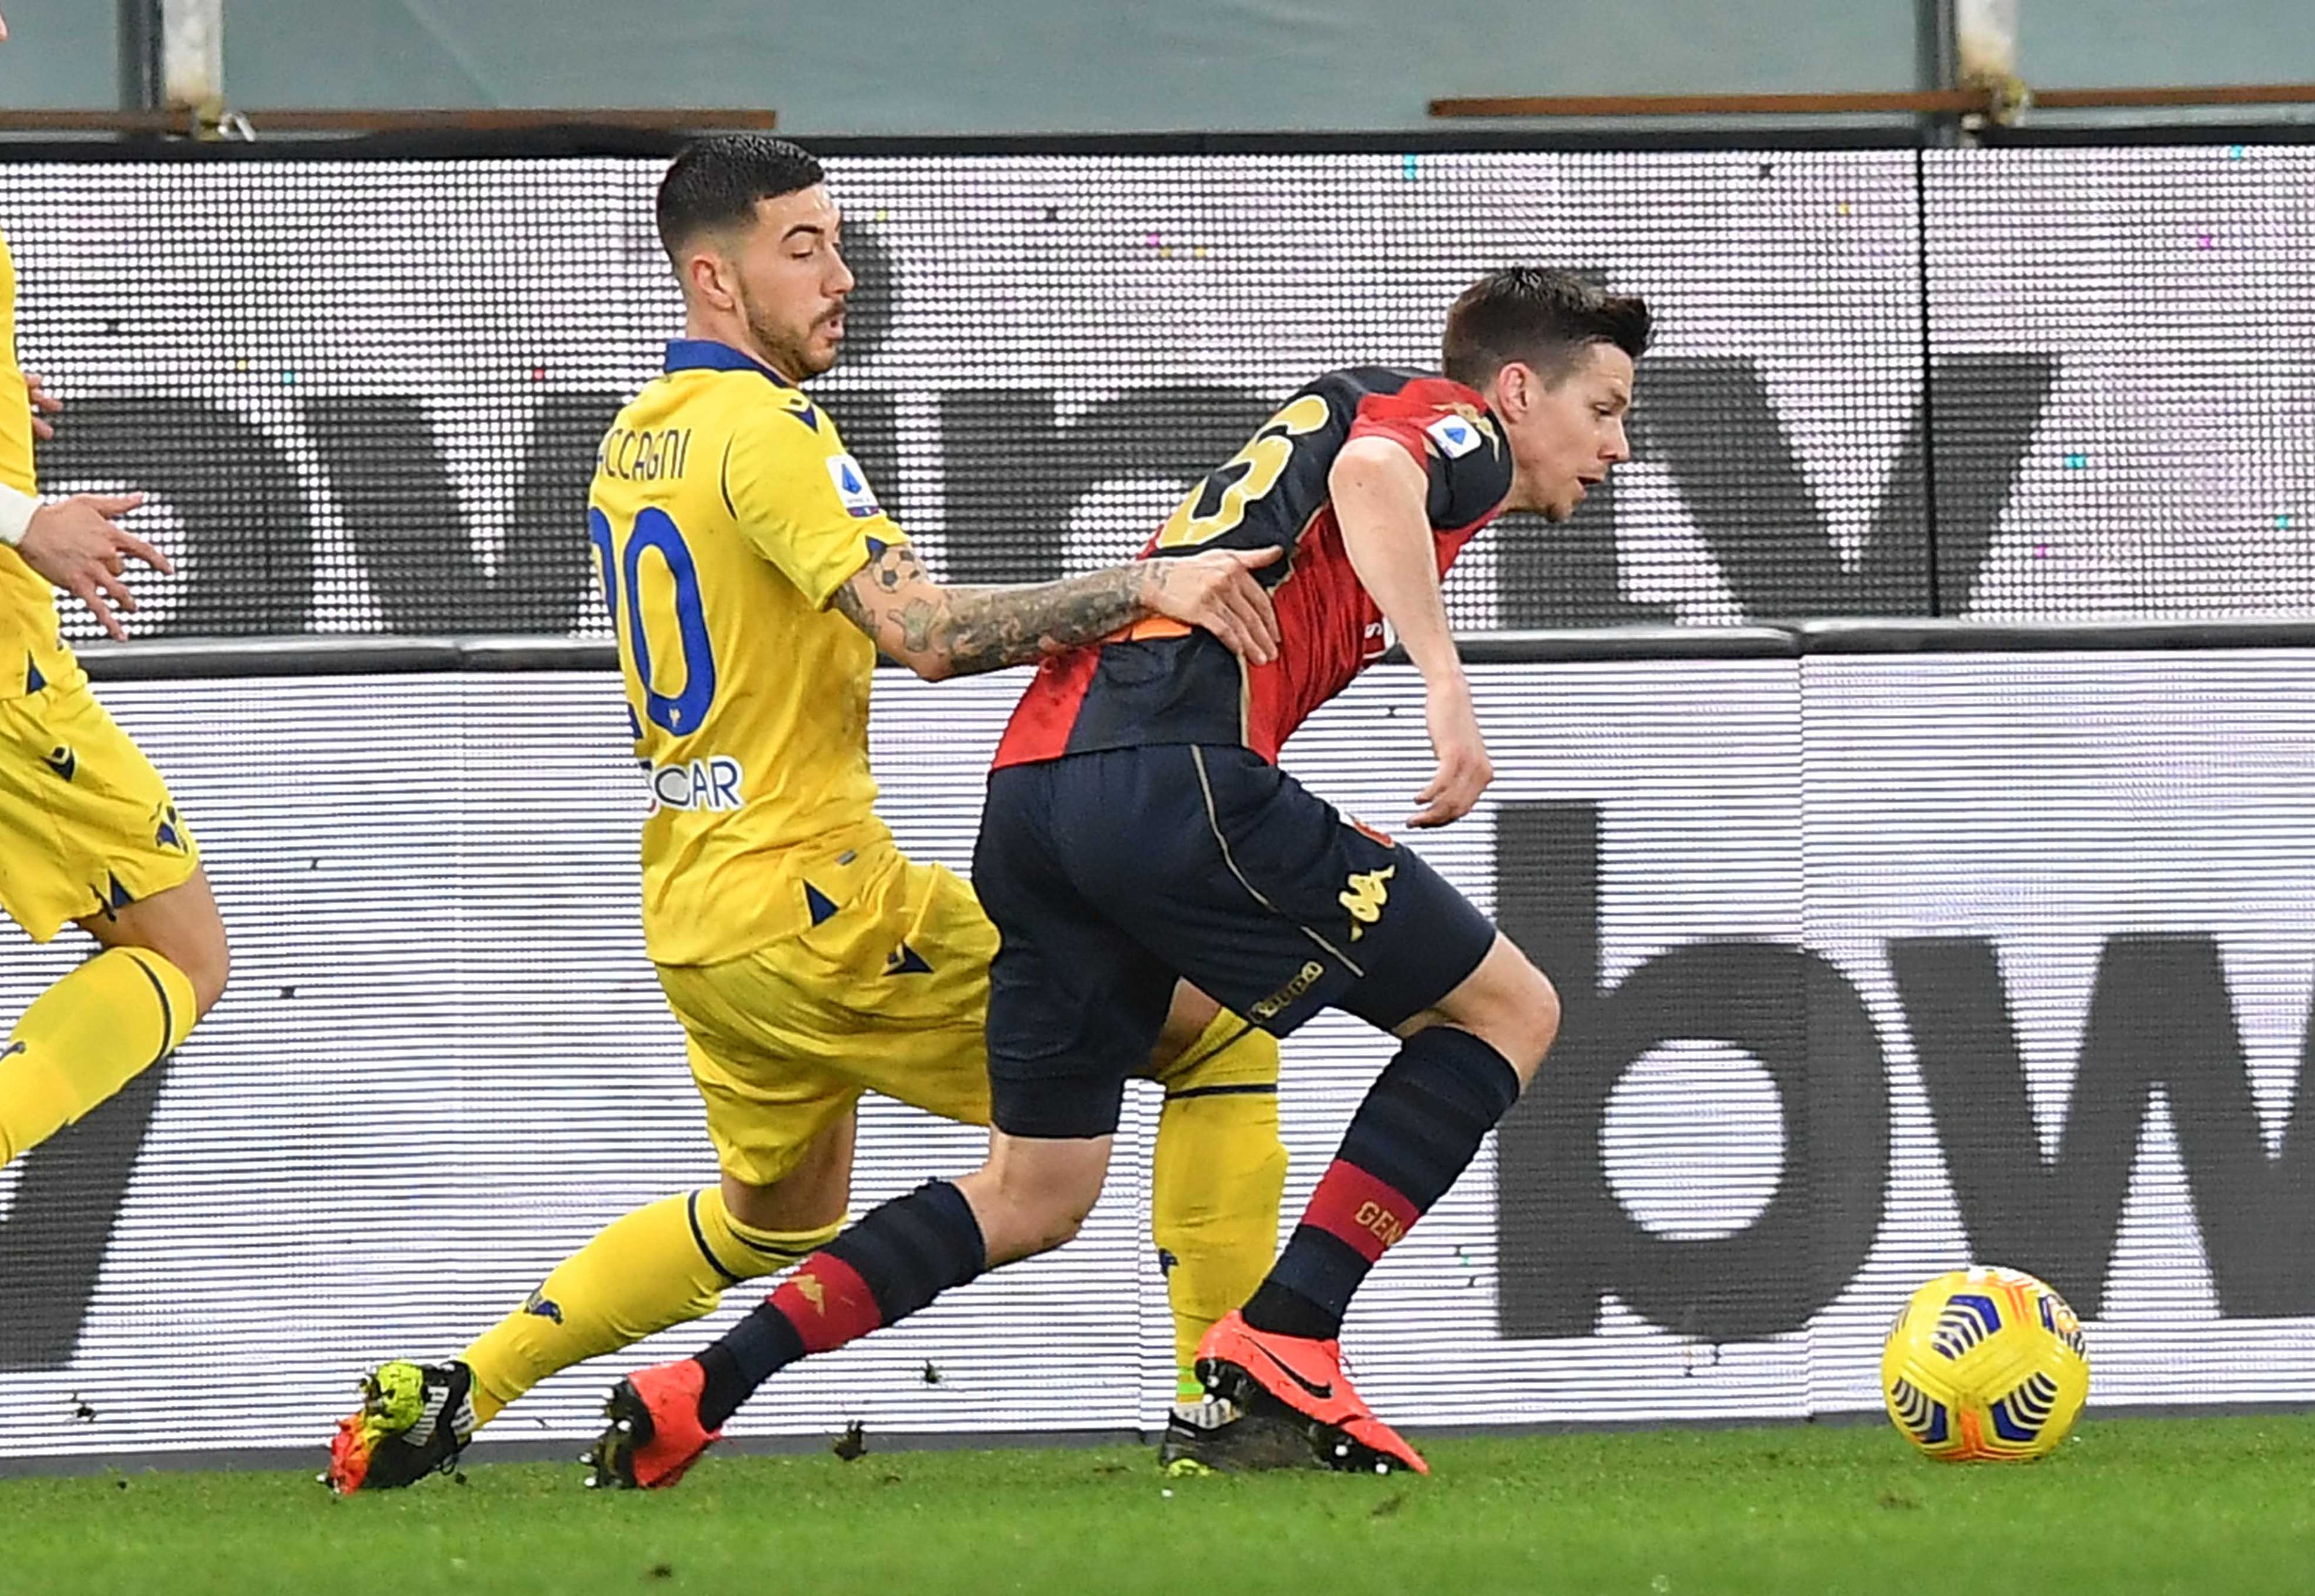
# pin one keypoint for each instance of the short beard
(787, 352)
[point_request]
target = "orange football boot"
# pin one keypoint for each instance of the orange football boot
(655, 1433)
(1263, 1371)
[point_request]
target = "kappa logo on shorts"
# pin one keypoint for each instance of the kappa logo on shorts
(62, 761)
(1366, 897)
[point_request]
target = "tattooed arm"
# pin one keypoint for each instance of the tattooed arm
(939, 632)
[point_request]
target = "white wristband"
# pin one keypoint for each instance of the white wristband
(16, 511)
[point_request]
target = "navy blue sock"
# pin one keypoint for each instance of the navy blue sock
(1421, 1124)
(880, 1270)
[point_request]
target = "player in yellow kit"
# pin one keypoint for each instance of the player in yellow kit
(752, 576)
(88, 833)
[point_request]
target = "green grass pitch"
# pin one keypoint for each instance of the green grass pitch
(2127, 1505)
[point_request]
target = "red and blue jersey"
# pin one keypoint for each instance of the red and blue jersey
(1161, 682)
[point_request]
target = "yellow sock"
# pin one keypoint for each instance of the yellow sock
(1218, 1171)
(85, 1038)
(660, 1265)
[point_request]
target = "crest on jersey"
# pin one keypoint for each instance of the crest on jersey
(1455, 436)
(852, 486)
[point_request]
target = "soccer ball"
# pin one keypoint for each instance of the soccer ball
(1984, 1365)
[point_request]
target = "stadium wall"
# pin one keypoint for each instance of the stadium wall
(918, 66)
(2009, 385)
(1883, 948)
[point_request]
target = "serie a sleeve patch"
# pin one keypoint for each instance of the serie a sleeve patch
(1454, 435)
(859, 500)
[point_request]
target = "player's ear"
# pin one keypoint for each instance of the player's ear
(1513, 391)
(710, 278)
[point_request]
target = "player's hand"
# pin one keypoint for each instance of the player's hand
(76, 545)
(44, 405)
(1464, 768)
(1217, 590)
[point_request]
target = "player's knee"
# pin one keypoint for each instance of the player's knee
(1021, 1225)
(212, 969)
(1250, 1060)
(1026, 1206)
(1186, 1019)
(183, 927)
(1512, 1006)
(201, 953)
(1058, 1226)
(1051, 1214)
(1542, 1011)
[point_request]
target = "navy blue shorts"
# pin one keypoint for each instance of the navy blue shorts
(1109, 875)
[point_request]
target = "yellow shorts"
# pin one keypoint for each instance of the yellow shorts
(888, 994)
(87, 824)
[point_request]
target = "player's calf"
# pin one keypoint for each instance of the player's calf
(1418, 1129)
(1216, 1179)
(1506, 1003)
(890, 1265)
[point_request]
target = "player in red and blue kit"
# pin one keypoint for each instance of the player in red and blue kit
(1139, 831)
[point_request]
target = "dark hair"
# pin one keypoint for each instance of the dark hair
(1538, 317)
(716, 182)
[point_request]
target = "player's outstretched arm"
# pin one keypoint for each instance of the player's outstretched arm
(939, 632)
(1380, 498)
(76, 545)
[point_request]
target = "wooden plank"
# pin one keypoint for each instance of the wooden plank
(1939, 103)
(2209, 95)
(1929, 102)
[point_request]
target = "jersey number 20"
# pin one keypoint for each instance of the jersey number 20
(655, 531)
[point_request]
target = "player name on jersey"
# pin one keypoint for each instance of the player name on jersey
(652, 455)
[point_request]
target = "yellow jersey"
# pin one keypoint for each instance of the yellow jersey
(726, 514)
(32, 650)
